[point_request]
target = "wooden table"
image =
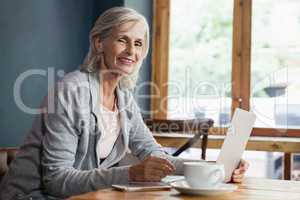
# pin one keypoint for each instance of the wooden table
(250, 189)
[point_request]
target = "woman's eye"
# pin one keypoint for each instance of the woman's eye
(122, 40)
(139, 44)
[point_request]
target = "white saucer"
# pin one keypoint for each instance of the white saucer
(222, 188)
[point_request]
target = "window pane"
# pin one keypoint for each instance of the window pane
(276, 63)
(200, 59)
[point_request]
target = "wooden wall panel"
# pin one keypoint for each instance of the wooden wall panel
(160, 58)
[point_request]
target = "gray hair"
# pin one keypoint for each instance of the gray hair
(103, 27)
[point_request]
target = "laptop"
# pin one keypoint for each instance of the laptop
(236, 140)
(234, 144)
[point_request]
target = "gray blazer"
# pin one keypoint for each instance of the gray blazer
(59, 158)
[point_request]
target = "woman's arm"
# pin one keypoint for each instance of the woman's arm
(143, 144)
(141, 141)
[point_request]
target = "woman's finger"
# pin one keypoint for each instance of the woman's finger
(155, 172)
(243, 164)
(161, 164)
(165, 168)
(154, 178)
(239, 171)
(163, 161)
(236, 171)
(238, 178)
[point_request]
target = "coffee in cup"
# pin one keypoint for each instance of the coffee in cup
(203, 174)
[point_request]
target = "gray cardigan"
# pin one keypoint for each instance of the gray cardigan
(59, 157)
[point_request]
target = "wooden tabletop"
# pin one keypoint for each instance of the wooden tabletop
(250, 189)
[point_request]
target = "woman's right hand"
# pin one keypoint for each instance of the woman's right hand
(151, 169)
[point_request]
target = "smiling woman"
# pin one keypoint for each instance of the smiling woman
(91, 120)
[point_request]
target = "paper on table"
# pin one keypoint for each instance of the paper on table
(236, 140)
(142, 186)
(172, 178)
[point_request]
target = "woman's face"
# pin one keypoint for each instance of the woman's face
(125, 48)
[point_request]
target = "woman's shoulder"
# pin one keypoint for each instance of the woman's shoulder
(76, 76)
(74, 85)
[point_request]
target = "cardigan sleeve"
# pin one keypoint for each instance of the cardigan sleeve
(142, 143)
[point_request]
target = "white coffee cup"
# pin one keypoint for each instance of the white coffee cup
(203, 174)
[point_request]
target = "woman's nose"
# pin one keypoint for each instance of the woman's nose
(130, 49)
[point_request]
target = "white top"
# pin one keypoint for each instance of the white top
(109, 125)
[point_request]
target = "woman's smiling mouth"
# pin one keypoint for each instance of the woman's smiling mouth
(125, 61)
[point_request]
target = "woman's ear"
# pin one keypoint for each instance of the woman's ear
(98, 45)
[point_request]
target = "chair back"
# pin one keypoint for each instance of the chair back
(198, 127)
(6, 156)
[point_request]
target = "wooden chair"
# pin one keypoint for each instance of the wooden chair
(199, 127)
(6, 156)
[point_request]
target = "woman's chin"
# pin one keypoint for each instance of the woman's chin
(125, 71)
(122, 72)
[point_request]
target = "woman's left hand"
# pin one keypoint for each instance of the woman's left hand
(239, 173)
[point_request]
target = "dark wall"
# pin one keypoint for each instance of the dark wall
(48, 36)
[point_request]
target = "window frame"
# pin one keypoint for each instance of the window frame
(241, 64)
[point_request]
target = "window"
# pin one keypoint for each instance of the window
(200, 60)
(210, 58)
(275, 67)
